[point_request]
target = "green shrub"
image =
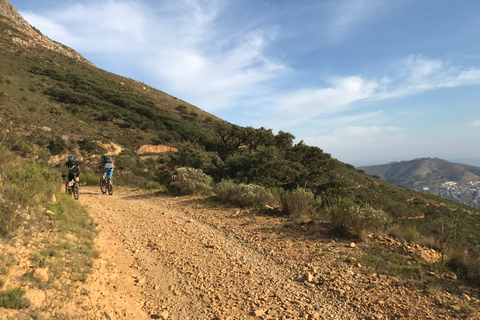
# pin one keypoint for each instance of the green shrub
(244, 195)
(13, 299)
(89, 178)
(187, 180)
(57, 146)
(300, 202)
(153, 185)
(346, 214)
(88, 145)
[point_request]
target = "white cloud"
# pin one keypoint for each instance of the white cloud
(476, 123)
(106, 26)
(415, 73)
(302, 105)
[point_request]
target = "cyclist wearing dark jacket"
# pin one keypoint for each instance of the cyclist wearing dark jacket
(73, 170)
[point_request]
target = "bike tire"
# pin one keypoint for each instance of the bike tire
(110, 187)
(103, 185)
(76, 193)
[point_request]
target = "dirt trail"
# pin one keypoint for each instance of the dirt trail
(183, 258)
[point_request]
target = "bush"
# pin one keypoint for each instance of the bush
(244, 195)
(300, 202)
(187, 180)
(57, 146)
(89, 178)
(349, 216)
(88, 145)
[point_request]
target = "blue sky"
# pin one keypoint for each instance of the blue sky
(368, 81)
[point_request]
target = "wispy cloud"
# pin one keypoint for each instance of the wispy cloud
(302, 105)
(416, 73)
(349, 14)
(476, 123)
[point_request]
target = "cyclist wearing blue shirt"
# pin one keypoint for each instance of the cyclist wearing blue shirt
(106, 164)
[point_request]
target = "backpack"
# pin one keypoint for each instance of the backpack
(107, 160)
(73, 166)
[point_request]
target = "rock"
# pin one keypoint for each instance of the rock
(259, 313)
(54, 199)
(352, 260)
(70, 237)
(309, 277)
(466, 297)
(352, 245)
(164, 314)
(36, 297)
(41, 274)
(50, 212)
(315, 315)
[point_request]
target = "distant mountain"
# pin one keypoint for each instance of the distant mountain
(423, 171)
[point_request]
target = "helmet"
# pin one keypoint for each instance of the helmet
(104, 155)
(71, 157)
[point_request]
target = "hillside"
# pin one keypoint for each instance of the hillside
(453, 181)
(277, 217)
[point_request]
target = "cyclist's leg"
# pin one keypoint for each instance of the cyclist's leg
(70, 177)
(104, 171)
(110, 173)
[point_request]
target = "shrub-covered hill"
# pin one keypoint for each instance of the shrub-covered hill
(53, 101)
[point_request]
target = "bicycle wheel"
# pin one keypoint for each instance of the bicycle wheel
(103, 185)
(75, 191)
(110, 187)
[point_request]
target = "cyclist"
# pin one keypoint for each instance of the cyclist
(73, 170)
(106, 164)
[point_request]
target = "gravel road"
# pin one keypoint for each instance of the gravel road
(185, 258)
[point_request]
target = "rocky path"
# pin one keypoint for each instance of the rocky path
(184, 258)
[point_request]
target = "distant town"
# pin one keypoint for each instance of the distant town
(466, 193)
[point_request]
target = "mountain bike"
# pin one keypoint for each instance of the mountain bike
(106, 185)
(73, 190)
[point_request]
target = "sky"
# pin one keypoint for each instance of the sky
(368, 81)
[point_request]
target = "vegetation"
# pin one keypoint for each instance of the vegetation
(191, 181)
(30, 197)
(244, 195)
(13, 299)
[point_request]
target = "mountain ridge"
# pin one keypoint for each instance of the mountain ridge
(32, 36)
(409, 173)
